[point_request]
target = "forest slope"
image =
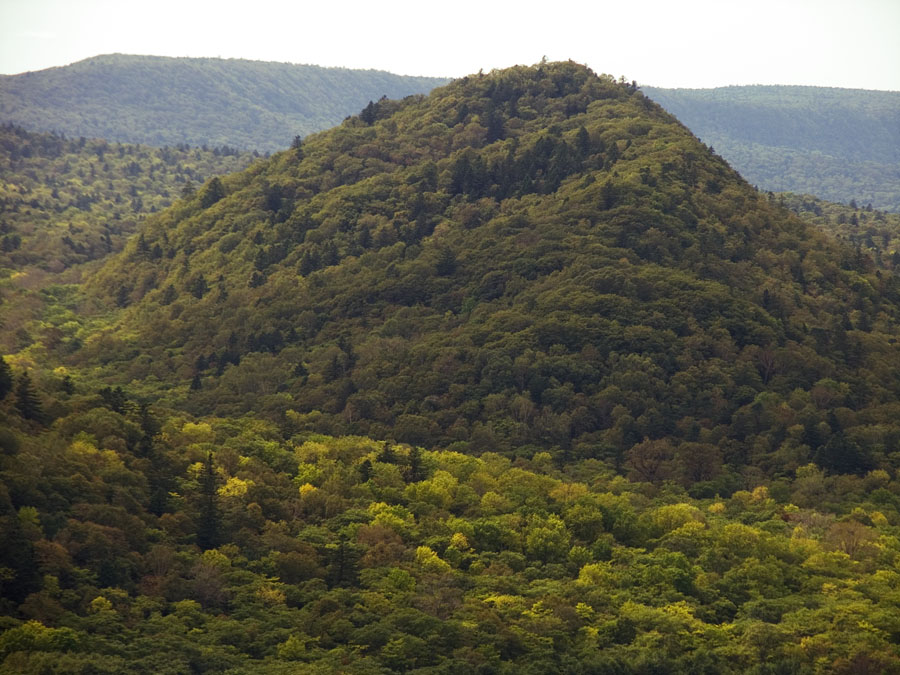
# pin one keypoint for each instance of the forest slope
(158, 100)
(535, 259)
(838, 144)
(65, 204)
(874, 232)
(538, 258)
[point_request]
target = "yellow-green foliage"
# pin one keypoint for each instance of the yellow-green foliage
(571, 573)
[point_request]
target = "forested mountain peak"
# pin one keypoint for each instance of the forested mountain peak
(166, 101)
(533, 258)
(625, 413)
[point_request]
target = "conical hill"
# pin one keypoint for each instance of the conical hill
(536, 258)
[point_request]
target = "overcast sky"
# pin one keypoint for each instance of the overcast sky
(669, 43)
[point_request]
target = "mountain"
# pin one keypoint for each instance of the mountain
(647, 416)
(536, 259)
(160, 101)
(838, 144)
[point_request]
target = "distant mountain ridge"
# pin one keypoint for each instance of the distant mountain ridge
(200, 101)
(839, 144)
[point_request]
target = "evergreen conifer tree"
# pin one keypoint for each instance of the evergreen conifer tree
(446, 263)
(365, 470)
(27, 401)
(214, 192)
(414, 470)
(6, 379)
(208, 525)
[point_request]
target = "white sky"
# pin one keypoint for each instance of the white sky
(669, 43)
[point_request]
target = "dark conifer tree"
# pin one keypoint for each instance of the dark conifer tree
(330, 254)
(334, 370)
(495, 130)
(143, 249)
(208, 526)
(68, 385)
(297, 147)
(414, 469)
(169, 295)
(214, 192)
(370, 113)
(115, 399)
(27, 401)
(583, 142)
(342, 570)
(6, 379)
(387, 454)
(446, 263)
(365, 471)
(309, 263)
(364, 239)
(16, 555)
(198, 286)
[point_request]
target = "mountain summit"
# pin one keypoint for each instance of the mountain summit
(535, 258)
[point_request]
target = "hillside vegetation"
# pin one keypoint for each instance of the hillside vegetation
(874, 233)
(139, 545)
(160, 101)
(68, 203)
(536, 259)
(837, 144)
(518, 377)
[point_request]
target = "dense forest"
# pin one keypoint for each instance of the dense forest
(838, 144)
(68, 203)
(536, 260)
(518, 376)
(875, 233)
(252, 105)
(182, 546)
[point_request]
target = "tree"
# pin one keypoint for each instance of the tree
(208, 526)
(198, 286)
(6, 379)
(297, 147)
(387, 454)
(68, 386)
(583, 142)
(114, 399)
(446, 263)
(414, 471)
(213, 192)
(842, 455)
(143, 248)
(342, 568)
(27, 401)
(648, 461)
(369, 114)
(365, 470)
